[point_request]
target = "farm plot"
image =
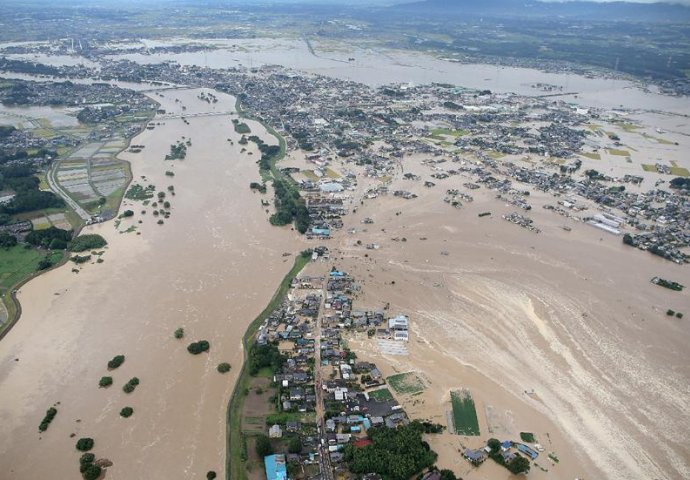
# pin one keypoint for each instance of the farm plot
(464, 413)
(406, 383)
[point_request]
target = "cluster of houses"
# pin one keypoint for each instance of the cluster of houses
(337, 118)
(508, 452)
(351, 391)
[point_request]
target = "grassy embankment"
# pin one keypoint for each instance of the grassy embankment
(234, 468)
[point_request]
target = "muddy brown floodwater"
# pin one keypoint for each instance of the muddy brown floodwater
(211, 268)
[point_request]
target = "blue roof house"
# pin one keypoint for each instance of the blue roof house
(276, 468)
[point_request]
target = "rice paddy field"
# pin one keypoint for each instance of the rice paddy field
(93, 172)
(464, 413)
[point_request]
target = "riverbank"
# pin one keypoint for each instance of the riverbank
(235, 441)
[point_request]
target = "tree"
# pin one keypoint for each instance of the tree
(494, 444)
(91, 472)
(105, 381)
(195, 348)
(447, 475)
(518, 465)
(126, 412)
(263, 446)
(116, 362)
(223, 367)
(7, 240)
(85, 444)
(295, 445)
(210, 475)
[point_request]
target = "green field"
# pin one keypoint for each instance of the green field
(406, 383)
(618, 152)
(591, 155)
(17, 263)
(648, 167)
(527, 437)
(464, 413)
(436, 132)
(382, 395)
(680, 172)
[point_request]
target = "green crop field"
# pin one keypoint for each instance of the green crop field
(591, 155)
(464, 413)
(406, 383)
(382, 395)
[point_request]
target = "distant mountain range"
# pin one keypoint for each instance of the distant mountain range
(613, 11)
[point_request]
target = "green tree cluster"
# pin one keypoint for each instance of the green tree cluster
(130, 385)
(51, 237)
(105, 382)
(87, 242)
(84, 444)
(223, 367)
(116, 362)
(396, 454)
(195, 348)
(7, 240)
(50, 415)
(289, 206)
(263, 446)
(262, 356)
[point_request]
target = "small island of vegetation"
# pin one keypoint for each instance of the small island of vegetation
(50, 415)
(195, 348)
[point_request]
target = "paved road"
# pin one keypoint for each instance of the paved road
(324, 457)
(55, 187)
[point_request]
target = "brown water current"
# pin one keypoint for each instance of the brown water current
(211, 268)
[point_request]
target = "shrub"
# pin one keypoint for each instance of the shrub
(92, 472)
(670, 312)
(196, 348)
(211, 475)
(87, 242)
(50, 415)
(87, 458)
(127, 213)
(85, 444)
(79, 259)
(116, 362)
(126, 412)
(105, 381)
(179, 333)
(44, 264)
(169, 173)
(166, 204)
(224, 367)
(679, 315)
